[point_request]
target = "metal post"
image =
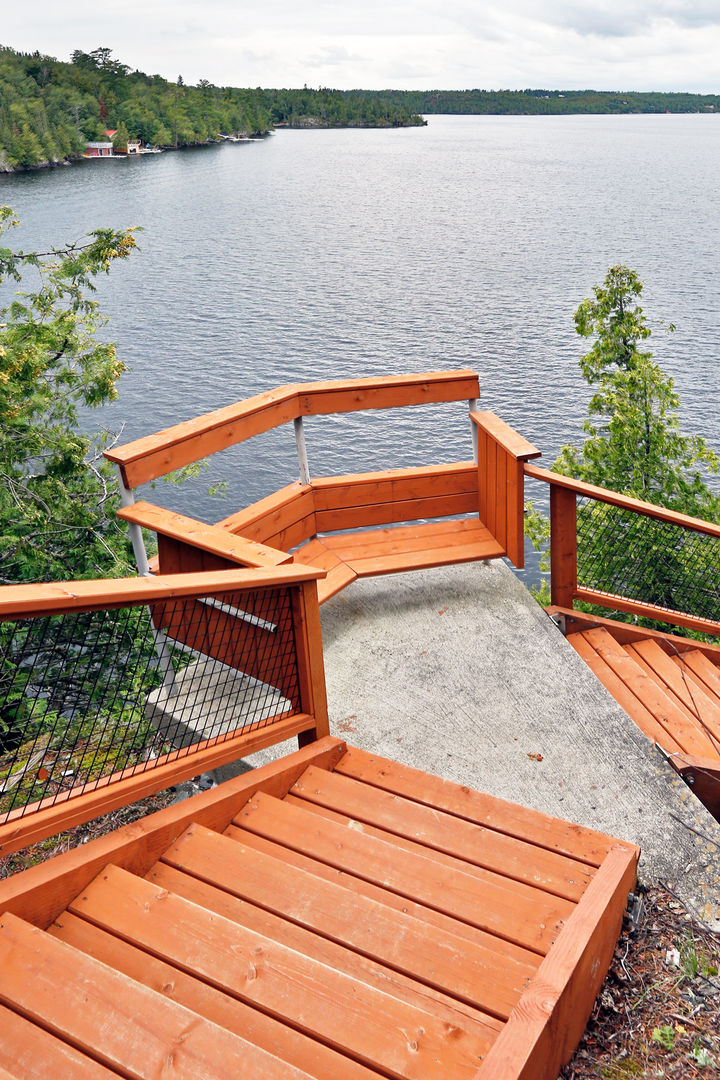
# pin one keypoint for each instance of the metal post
(472, 406)
(138, 544)
(301, 450)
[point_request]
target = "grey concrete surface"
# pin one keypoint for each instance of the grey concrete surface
(459, 672)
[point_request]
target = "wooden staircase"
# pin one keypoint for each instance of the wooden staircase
(669, 686)
(332, 915)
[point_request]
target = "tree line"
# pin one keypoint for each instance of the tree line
(50, 109)
(550, 102)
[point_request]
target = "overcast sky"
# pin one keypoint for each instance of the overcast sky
(376, 44)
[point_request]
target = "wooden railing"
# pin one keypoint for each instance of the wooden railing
(94, 719)
(635, 541)
(265, 533)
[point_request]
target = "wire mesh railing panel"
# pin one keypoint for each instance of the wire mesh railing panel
(87, 695)
(647, 560)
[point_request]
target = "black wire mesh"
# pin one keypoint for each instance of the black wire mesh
(654, 562)
(86, 695)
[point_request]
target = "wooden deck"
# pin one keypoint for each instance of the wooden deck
(670, 687)
(332, 915)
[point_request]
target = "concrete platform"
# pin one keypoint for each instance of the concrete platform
(459, 672)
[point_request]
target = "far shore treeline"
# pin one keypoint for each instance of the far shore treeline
(50, 109)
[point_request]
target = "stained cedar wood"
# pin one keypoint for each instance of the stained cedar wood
(693, 681)
(384, 513)
(32, 1052)
(647, 611)
(448, 1010)
(700, 663)
(451, 863)
(310, 658)
(509, 909)
(205, 537)
(37, 821)
(472, 973)
(462, 839)
(146, 459)
(291, 507)
(673, 644)
(550, 1018)
(376, 1028)
(660, 667)
(264, 1031)
(393, 485)
(463, 802)
(624, 696)
(563, 546)
(660, 513)
(19, 601)
(42, 892)
(672, 718)
(705, 779)
(149, 1035)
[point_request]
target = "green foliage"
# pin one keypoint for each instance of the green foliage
(634, 446)
(664, 1035)
(50, 109)
(56, 493)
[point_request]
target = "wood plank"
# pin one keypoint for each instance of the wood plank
(373, 1027)
(648, 611)
(624, 632)
(503, 817)
(389, 899)
(693, 681)
(402, 538)
(275, 512)
(21, 601)
(339, 574)
(563, 546)
(149, 1035)
(310, 658)
(421, 560)
(36, 821)
(28, 1052)
(384, 513)
(673, 719)
(449, 1010)
(547, 1024)
(269, 1034)
(473, 973)
(197, 534)
(692, 699)
(517, 912)
(505, 436)
(42, 892)
(613, 498)
(156, 455)
(393, 485)
(470, 842)
(349, 395)
(704, 669)
(624, 696)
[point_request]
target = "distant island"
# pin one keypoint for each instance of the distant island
(53, 111)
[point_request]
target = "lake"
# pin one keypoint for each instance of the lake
(327, 254)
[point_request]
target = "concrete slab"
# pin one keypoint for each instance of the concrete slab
(459, 672)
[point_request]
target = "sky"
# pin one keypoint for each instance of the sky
(381, 44)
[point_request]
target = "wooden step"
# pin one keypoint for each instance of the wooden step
(694, 700)
(375, 1028)
(671, 727)
(509, 909)
(473, 973)
(73, 996)
(427, 827)
(28, 1050)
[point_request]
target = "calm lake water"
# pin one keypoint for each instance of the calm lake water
(327, 254)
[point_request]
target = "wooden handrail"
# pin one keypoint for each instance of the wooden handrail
(21, 601)
(625, 502)
(156, 455)
(209, 538)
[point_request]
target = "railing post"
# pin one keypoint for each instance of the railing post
(301, 450)
(563, 546)
(472, 406)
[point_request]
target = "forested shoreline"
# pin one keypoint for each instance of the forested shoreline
(50, 109)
